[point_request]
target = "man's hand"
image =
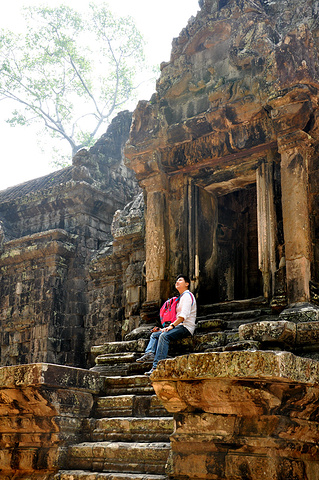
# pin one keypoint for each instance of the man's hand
(155, 329)
(167, 329)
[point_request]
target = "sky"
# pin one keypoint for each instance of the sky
(22, 157)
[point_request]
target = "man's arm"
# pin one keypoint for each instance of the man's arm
(173, 324)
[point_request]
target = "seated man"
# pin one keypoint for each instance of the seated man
(183, 326)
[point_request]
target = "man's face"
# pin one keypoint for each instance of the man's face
(181, 285)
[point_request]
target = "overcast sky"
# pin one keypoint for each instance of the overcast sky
(159, 22)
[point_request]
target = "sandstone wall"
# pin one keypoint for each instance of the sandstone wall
(34, 292)
(116, 287)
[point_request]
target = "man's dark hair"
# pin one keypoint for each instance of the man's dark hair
(185, 277)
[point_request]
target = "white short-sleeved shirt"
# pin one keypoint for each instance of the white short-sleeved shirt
(186, 309)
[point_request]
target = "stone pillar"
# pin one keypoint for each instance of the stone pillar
(266, 219)
(156, 237)
(294, 149)
(193, 240)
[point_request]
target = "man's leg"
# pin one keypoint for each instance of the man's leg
(150, 349)
(164, 340)
(152, 344)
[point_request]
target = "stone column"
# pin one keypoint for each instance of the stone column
(266, 219)
(295, 149)
(156, 237)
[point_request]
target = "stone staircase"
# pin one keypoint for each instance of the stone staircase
(128, 434)
(218, 325)
(127, 437)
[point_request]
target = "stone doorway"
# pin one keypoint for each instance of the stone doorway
(237, 273)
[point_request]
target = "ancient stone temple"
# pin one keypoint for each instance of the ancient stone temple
(226, 153)
(217, 176)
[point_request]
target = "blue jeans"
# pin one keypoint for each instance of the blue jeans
(159, 342)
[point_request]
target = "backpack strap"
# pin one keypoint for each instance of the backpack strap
(192, 296)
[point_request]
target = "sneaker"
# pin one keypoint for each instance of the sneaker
(147, 357)
(150, 372)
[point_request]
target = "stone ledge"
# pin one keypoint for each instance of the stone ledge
(238, 412)
(282, 332)
(50, 375)
(53, 234)
(287, 335)
(248, 365)
(52, 242)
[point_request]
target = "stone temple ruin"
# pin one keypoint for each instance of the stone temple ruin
(215, 175)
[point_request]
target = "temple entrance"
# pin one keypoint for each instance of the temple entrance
(237, 274)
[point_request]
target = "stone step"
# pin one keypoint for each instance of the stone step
(233, 317)
(82, 475)
(234, 306)
(133, 429)
(119, 457)
(123, 366)
(130, 385)
(127, 362)
(217, 329)
(210, 324)
(118, 365)
(119, 360)
(120, 347)
(235, 323)
(130, 406)
(198, 343)
(121, 357)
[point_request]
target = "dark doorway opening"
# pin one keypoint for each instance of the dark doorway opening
(238, 275)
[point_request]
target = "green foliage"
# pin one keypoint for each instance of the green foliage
(71, 72)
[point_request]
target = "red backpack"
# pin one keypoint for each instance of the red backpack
(168, 309)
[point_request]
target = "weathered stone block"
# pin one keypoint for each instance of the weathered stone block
(258, 415)
(300, 312)
(280, 332)
(43, 408)
(261, 467)
(209, 340)
(307, 333)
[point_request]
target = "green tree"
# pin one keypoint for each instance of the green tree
(72, 72)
